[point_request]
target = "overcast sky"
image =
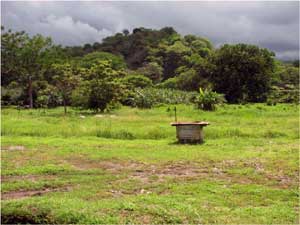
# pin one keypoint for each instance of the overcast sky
(274, 25)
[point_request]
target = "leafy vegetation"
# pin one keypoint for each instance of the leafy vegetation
(208, 99)
(149, 97)
(37, 73)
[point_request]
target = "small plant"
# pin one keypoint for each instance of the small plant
(208, 99)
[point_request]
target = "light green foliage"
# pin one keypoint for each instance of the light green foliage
(149, 97)
(137, 80)
(208, 99)
(199, 45)
(178, 48)
(171, 83)
(42, 101)
(138, 174)
(117, 62)
(65, 79)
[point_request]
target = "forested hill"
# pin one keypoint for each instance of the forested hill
(164, 49)
(34, 70)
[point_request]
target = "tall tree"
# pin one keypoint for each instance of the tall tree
(243, 72)
(11, 42)
(26, 57)
(65, 80)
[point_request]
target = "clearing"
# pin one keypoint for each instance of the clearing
(126, 167)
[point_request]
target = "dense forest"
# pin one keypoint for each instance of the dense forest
(141, 69)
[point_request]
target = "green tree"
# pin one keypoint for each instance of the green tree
(101, 87)
(65, 80)
(25, 57)
(243, 72)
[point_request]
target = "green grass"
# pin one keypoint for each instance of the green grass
(126, 167)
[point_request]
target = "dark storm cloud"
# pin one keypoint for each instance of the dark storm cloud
(274, 25)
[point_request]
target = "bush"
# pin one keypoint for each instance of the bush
(208, 99)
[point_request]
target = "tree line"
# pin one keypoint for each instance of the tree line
(37, 73)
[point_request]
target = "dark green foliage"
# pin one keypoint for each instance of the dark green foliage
(153, 71)
(135, 46)
(208, 99)
(11, 95)
(285, 84)
(296, 63)
(283, 94)
(243, 72)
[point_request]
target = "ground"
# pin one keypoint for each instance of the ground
(126, 167)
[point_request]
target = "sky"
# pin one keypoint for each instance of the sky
(269, 24)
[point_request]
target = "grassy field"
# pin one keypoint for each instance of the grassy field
(126, 167)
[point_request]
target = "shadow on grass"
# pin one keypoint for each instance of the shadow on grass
(186, 143)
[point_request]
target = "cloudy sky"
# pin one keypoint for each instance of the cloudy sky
(274, 25)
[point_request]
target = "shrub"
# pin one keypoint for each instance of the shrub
(208, 99)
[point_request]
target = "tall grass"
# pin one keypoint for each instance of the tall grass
(129, 123)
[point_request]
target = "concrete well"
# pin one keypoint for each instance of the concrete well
(190, 132)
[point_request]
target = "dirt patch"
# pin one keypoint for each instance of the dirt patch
(162, 172)
(111, 166)
(13, 148)
(182, 170)
(27, 177)
(30, 193)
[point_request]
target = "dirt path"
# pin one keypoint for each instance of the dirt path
(30, 193)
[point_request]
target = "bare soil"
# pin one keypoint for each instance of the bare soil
(187, 171)
(29, 193)
(13, 148)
